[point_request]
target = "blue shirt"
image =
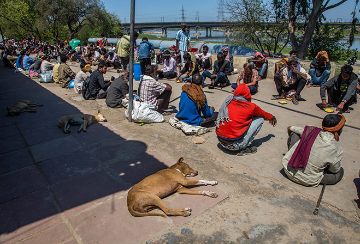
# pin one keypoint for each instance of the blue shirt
(189, 113)
(18, 65)
(27, 62)
(183, 38)
(144, 49)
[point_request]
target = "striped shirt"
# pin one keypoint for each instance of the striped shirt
(183, 38)
(150, 89)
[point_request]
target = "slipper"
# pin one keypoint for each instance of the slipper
(295, 101)
(166, 113)
(283, 102)
(276, 97)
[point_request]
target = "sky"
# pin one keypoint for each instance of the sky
(171, 11)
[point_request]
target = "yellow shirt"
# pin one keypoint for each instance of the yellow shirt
(123, 47)
(56, 73)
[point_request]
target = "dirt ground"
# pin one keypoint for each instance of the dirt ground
(262, 202)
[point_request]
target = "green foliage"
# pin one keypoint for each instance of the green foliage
(57, 19)
(255, 14)
(328, 39)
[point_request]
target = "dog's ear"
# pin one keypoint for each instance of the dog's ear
(180, 160)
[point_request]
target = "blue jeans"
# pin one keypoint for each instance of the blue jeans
(248, 136)
(204, 75)
(220, 77)
(186, 79)
(262, 72)
(318, 80)
(253, 89)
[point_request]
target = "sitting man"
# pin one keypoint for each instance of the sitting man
(46, 65)
(250, 77)
(117, 91)
(260, 64)
(37, 64)
(193, 102)
(81, 77)
(314, 154)
(27, 61)
(239, 121)
(190, 68)
(291, 80)
(222, 69)
(204, 59)
(153, 92)
(341, 90)
(169, 71)
(229, 58)
(97, 85)
(65, 73)
(283, 62)
(319, 69)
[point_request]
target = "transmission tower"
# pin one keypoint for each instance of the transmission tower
(182, 14)
(197, 18)
(220, 16)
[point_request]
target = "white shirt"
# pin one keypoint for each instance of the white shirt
(79, 80)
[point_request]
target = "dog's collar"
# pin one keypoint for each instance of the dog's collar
(180, 172)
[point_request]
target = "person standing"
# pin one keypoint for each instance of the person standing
(182, 42)
(145, 51)
(123, 49)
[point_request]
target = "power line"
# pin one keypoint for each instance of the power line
(197, 18)
(220, 16)
(182, 14)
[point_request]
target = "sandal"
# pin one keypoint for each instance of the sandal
(247, 150)
(166, 113)
(295, 101)
(276, 97)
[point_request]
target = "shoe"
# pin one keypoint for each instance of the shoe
(247, 150)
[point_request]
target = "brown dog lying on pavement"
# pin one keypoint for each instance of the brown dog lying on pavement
(22, 106)
(146, 195)
(80, 119)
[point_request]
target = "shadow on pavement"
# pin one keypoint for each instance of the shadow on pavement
(44, 172)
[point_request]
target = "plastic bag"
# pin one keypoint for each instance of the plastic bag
(46, 77)
(144, 113)
(188, 129)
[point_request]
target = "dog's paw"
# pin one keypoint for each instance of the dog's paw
(187, 212)
(213, 183)
(210, 194)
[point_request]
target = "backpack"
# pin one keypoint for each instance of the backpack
(85, 89)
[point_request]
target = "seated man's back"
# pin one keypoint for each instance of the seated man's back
(320, 150)
(117, 91)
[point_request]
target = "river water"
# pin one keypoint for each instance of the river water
(219, 36)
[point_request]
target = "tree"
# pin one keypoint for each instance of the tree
(261, 28)
(303, 17)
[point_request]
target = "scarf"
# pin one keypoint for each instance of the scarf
(228, 55)
(196, 94)
(223, 115)
(260, 54)
(336, 128)
(290, 72)
(300, 157)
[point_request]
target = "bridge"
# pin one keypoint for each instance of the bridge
(207, 25)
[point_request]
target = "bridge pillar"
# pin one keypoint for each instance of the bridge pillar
(210, 31)
(140, 31)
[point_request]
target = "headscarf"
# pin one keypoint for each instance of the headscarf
(242, 94)
(196, 94)
(260, 54)
(228, 54)
(335, 129)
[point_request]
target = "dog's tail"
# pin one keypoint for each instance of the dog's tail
(139, 214)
